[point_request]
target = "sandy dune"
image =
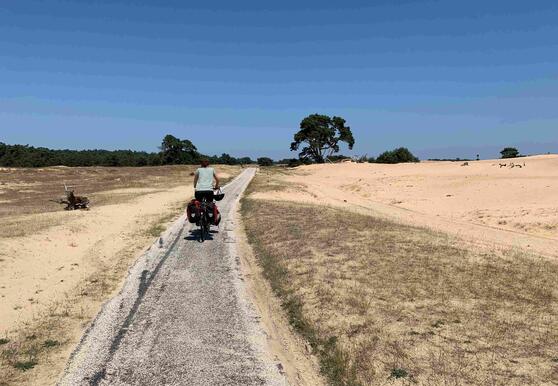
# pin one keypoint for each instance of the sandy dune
(482, 202)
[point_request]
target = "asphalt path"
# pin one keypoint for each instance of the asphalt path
(182, 317)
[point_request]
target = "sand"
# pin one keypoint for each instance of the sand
(38, 269)
(482, 202)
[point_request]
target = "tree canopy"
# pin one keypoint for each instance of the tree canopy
(322, 136)
(178, 151)
(510, 152)
(265, 161)
(396, 156)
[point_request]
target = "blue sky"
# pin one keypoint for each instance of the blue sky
(445, 78)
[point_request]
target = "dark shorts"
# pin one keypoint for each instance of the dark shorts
(207, 194)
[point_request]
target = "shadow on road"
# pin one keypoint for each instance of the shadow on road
(195, 235)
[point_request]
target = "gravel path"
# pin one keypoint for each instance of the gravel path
(182, 317)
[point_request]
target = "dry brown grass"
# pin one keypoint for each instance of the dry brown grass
(385, 303)
(25, 193)
(270, 180)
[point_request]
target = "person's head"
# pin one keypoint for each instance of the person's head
(204, 163)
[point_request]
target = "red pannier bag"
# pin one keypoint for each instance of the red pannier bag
(193, 211)
(215, 216)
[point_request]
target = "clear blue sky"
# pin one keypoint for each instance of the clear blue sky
(445, 78)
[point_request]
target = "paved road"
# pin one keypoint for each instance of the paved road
(181, 318)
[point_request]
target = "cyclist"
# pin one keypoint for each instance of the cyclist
(204, 178)
(203, 181)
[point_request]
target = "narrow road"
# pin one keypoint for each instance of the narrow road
(182, 317)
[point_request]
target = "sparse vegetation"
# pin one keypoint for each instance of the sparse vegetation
(399, 302)
(51, 343)
(159, 226)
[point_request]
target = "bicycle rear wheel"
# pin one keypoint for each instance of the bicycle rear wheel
(202, 230)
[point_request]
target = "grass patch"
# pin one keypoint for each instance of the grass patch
(51, 343)
(156, 230)
(26, 365)
(4, 341)
(272, 179)
(160, 226)
(379, 300)
(399, 373)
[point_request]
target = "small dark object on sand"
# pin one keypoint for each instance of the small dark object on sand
(72, 201)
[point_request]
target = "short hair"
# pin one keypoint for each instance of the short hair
(204, 162)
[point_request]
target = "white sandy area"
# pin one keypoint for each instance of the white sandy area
(511, 207)
(40, 269)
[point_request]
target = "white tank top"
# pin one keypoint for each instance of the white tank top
(205, 179)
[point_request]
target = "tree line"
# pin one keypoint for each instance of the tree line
(317, 141)
(173, 151)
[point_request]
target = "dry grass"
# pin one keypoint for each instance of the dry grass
(385, 303)
(25, 193)
(270, 180)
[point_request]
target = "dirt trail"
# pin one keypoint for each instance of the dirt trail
(182, 318)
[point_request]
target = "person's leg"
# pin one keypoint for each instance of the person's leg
(208, 195)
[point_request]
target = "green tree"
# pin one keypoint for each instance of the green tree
(510, 152)
(176, 151)
(245, 161)
(227, 159)
(265, 161)
(396, 156)
(322, 135)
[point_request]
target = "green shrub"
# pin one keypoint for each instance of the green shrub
(396, 156)
(510, 152)
(265, 161)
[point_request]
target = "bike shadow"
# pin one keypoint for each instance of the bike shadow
(195, 235)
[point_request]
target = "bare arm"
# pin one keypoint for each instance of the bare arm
(216, 180)
(196, 180)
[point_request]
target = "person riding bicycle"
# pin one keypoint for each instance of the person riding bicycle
(203, 181)
(204, 178)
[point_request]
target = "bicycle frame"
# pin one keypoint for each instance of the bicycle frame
(204, 220)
